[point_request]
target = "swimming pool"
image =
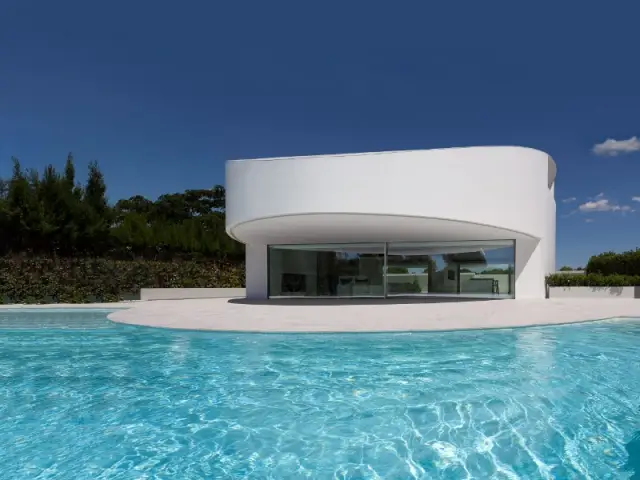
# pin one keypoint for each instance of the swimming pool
(111, 401)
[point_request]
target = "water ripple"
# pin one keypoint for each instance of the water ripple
(105, 401)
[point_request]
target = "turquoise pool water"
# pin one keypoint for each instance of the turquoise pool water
(104, 401)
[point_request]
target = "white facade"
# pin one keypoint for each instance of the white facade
(445, 195)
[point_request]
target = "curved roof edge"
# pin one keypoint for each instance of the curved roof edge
(230, 229)
(383, 152)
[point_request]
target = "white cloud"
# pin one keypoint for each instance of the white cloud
(567, 215)
(601, 204)
(589, 220)
(635, 199)
(612, 148)
(570, 199)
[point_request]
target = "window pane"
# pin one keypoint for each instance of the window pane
(495, 276)
(482, 268)
(326, 270)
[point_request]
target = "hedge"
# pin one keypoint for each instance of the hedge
(82, 280)
(592, 280)
(611, 263)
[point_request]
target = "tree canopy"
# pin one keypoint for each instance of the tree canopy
(51, 213)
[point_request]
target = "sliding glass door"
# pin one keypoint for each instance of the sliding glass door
(470, 269)
(349, 270)
(466, 269)
(493, 278)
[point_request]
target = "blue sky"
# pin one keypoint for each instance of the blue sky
(162, 93)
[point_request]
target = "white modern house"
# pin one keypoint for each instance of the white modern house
(463, 222)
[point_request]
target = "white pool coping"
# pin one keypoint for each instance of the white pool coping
(73, 306)
(329, 316)
(220, 314)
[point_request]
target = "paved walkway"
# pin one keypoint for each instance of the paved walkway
(367, 316)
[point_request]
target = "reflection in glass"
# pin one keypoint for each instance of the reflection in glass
(483, 268)
(470, 269)
(495, 275)
(326, 270)
(409, 267)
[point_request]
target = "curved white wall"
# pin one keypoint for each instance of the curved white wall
(476, 193)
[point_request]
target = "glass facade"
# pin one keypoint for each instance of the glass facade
(351, 270)
(470, 269)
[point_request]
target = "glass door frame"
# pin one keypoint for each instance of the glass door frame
(502, 243)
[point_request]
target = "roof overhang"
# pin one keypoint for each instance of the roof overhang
(337, 228)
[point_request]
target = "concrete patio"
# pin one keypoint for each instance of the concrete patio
(367, 315)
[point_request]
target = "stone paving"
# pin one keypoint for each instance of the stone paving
(367, 316)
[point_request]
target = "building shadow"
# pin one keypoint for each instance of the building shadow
(328, 302)
(633, 462)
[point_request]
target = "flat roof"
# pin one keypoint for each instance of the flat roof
(383, 152)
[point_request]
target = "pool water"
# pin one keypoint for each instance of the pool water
(103, 401)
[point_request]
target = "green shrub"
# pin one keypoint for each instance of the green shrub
(592, 280)
(405, 287)
(82, 280)
(611, 263)
(397, 270)
(415, 286)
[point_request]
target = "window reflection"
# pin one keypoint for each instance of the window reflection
(326, 270)
(482, 268)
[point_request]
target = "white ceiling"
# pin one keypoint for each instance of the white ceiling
(353, 228)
